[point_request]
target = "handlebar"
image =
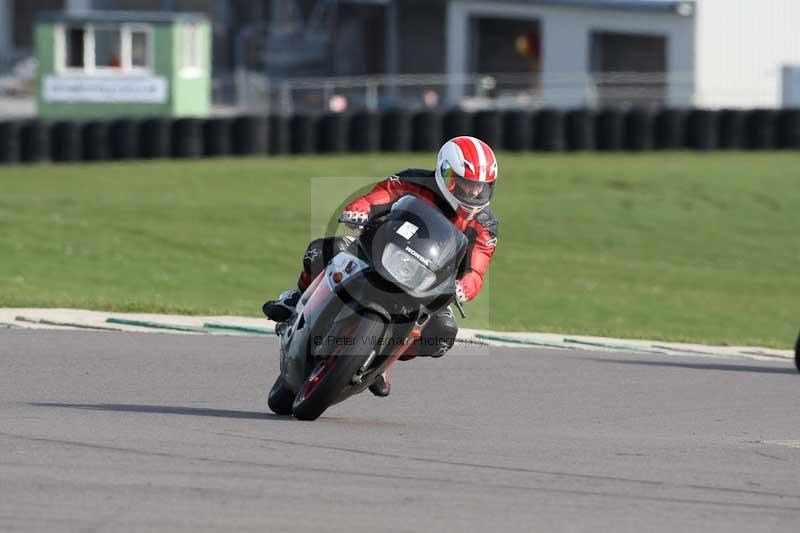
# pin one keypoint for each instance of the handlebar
(351, 223)
(460, 308)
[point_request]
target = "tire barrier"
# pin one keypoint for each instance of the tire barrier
(365, 132)
(789, 129)
(579, 130)
(610, 130)
(454, 123)
(65, 142)
(217, 139)
(488, 127)
(10, 142)
(670, 129)
(187, 138)
(124, 139)
(702, 130)
(732, 129)
(517, 130)
(399, 130)
(35, 145)
(279, 134)
(549, 130)
(396, 131)
(427, 132)
(96, 141)
(303, 134)
(250, 135)
(332, 133)
(155, 138)
(639, 130)
(761, 131)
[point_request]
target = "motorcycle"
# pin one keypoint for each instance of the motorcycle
(366, 308)
(797, 353)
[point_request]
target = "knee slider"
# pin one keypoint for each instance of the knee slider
(444, 328)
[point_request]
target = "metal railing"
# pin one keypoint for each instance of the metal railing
(248, 91)
(469, 91)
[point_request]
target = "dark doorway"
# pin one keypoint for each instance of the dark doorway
(615, 56)
(511, 51)
(360, 40)
(505, 45)
(24, 17)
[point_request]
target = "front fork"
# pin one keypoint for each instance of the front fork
(414, 334)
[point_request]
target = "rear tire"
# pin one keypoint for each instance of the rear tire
(280, 398)
(797, 354)
(310, 404)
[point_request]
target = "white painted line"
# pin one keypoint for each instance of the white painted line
(60, 318)
(784, 443)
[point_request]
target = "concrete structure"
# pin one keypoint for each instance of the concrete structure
(570, 33)
(714, 53)
(709, 53)
(78, 6)
(104, 64)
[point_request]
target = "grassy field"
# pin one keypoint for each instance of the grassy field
(667, 246)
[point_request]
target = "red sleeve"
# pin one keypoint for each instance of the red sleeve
(382, 195)
(480, 256)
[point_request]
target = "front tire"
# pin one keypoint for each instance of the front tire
(797, 354)
(325, 383)
(280, 398)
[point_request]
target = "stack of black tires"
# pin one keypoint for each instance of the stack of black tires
(398, 130)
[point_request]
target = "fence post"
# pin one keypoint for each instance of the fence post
(371, 96)
(286, 106)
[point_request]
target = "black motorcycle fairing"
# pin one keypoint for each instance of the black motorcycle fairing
(432, 240)
(368, 291)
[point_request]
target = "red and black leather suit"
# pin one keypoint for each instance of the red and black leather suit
(480, 230)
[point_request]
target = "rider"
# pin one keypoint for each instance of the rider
(461, 187)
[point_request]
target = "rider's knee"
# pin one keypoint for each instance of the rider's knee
(440, 334)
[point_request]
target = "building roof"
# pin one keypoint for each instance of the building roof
(144, 17)
(679, 6)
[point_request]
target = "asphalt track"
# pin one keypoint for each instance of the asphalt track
(152, 432)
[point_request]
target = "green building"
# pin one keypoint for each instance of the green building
(123, 64)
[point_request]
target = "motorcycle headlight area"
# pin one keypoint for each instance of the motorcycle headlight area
(407, 270)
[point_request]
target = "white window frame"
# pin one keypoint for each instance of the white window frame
(89, 68)
(61, 49)
(89, 39)
(191, 38)
(127, 42)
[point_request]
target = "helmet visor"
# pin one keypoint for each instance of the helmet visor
(472, 192)
(467, 191)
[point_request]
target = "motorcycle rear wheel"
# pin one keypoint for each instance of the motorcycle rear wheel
(326, 381)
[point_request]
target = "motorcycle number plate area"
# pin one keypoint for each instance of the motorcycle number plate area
(407, 230)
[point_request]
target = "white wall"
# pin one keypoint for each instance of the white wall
(741, 47)
(566, 33)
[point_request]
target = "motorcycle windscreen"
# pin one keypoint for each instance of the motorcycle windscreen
(417, 247)
(427, 231)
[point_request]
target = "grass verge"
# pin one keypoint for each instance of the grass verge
(677, 246)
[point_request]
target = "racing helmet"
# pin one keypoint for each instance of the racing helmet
(466, 173)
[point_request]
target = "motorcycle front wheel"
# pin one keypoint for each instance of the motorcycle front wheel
(332, 374)
(280, 398)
